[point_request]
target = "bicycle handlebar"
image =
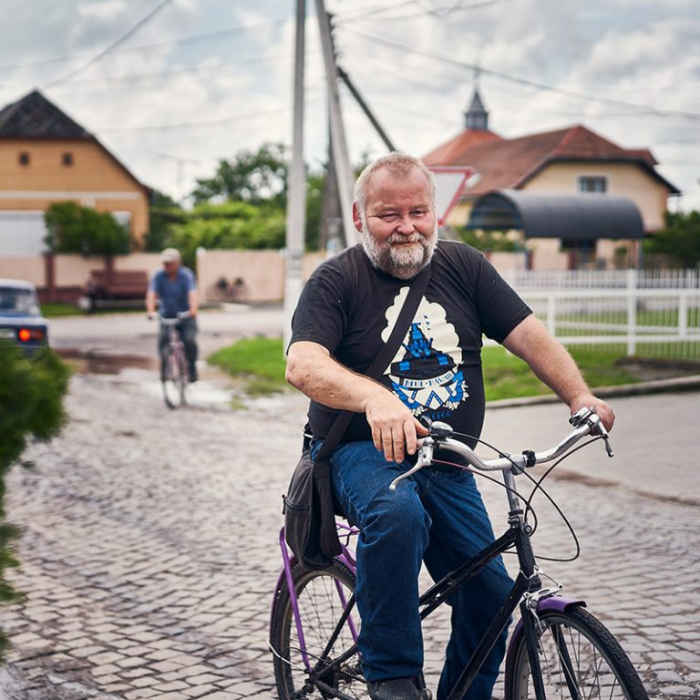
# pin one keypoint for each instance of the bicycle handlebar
(585, 422)
(174, 321)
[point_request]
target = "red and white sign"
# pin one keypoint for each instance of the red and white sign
(450, 183)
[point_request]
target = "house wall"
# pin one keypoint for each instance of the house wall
(94, 179)
(623, 179)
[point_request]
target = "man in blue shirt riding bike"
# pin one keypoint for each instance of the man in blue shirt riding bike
(346, 312)
(176, 289)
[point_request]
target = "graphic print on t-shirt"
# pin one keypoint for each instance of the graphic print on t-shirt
(426, 372)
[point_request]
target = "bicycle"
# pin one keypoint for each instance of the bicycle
(557, 650)
(174, 377)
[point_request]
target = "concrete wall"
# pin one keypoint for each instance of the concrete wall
(252, 275)
(30, 269)
(94, 179)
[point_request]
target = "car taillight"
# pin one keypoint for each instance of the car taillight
(28, 334)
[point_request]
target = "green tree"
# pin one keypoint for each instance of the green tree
(76, 229)
(229, 225)
(164, 215)
(258, 177)
(680, 239)
(31, 406)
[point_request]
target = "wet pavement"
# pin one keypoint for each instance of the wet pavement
(149, 552)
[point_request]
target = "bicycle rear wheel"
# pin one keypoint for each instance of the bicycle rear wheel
(174, 377)
(579, 659)
(322, 597)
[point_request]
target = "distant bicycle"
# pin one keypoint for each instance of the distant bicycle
(173, 375)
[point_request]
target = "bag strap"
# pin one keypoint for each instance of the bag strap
(383, 358)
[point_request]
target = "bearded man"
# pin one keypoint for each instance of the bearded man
(346, 312)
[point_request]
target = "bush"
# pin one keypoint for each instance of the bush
(76, 229)
(31, 406)
(230, 225)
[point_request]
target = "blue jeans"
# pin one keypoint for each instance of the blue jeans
(438, 517)
(187, 330)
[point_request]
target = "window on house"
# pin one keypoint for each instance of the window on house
(67, 159)
(24, 158)
(592, 184)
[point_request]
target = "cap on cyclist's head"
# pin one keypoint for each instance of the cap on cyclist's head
(170, 255)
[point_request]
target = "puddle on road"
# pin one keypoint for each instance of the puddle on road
(142, 372)
(96, 362)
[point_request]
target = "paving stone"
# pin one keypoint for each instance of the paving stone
(149, 562)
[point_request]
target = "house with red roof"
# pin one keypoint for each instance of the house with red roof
(566, 161)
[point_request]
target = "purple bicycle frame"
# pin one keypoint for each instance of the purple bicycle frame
(346, 558)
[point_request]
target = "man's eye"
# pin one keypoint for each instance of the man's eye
(389, 217)
(418, 213)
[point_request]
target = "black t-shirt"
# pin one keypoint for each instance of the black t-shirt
(350, 308)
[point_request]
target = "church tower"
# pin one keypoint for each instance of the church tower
(476, 117)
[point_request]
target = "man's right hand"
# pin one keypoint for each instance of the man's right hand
(395, 431)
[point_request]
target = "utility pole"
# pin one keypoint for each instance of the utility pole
(296, 202)
(180, 170)
(341, 158)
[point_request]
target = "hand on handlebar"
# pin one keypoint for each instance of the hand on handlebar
(603, 409)
(395, 431)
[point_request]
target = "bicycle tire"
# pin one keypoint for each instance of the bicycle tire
(320, 608)
(173, 378)
(599, 667)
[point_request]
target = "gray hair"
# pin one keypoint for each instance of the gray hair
(398, 164)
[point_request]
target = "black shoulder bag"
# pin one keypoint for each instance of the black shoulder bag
(309, 516)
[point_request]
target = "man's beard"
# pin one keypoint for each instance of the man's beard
(403, 263)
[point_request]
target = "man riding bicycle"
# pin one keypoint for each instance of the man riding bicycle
(176, 289)
(345, 313)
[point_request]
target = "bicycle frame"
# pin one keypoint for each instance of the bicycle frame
(527, 592)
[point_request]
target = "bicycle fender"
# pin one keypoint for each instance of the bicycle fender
(556, 603)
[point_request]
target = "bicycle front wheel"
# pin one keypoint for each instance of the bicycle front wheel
(579, 660)
(322, 598)
(174, 377)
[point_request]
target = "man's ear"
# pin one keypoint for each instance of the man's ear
(356, 218)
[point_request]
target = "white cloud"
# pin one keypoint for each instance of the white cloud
(632, 51)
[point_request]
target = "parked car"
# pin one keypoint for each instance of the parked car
(21, 321)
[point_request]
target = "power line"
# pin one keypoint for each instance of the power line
(111, 78)
(421, 13)
(189, 125)
(192, 38)
(396, 45)
(113, 45)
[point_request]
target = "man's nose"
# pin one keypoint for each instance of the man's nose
(405, 225)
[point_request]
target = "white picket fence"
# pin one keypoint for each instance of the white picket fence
(647, 313)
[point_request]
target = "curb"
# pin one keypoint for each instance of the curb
(659, 386)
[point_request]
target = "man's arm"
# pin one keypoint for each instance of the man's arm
(552, 364)
(150, 302)
(312, 370)
(193, 298)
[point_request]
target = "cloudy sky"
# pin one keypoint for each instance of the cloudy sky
(203, 79)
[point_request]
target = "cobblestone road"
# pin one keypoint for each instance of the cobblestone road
(149, 554)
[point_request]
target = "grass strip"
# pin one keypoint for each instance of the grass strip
(260, 363)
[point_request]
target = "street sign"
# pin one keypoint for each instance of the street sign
(450, 183)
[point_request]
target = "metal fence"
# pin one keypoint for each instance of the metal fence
(647, 314)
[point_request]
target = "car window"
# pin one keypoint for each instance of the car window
(18, 301)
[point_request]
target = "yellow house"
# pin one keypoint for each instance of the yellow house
(47, 157)
(565, 161)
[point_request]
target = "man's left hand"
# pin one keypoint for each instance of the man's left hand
(603, 409)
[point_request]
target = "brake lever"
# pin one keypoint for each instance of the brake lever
(598, 427)
(425, 459)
